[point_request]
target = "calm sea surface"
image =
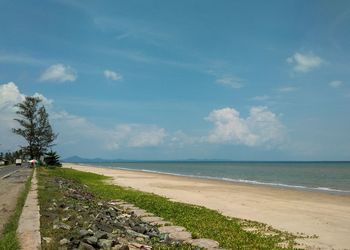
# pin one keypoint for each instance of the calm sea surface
(313, 176)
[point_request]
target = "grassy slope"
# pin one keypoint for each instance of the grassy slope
(202, 222)
(49, 191)
(9, 240)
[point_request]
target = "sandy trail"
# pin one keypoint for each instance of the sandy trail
(321, 214)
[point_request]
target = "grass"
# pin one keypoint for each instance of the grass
(49, 192)
(202, 222)
(9, 240)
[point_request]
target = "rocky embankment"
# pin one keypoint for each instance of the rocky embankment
(75, 219)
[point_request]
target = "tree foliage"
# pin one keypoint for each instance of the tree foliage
(35, 127)
(52, 159)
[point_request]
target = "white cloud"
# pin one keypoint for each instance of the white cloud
(336, 84)
(111, 75)
(231, 81)
(47, 102)
(59, 73)
(77, 135)
(261, 127)
(141, 135)
(260, 98)
(304, 62)
(9, 96)
(287, 89)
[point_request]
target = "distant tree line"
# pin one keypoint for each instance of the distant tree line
(11, 157)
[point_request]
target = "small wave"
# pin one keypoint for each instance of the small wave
(273, 184)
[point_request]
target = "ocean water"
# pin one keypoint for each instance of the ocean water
(313, 176)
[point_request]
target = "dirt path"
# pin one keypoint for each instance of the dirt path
(10, 188)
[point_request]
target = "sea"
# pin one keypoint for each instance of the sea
(331, 177)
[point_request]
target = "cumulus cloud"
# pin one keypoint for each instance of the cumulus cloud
(336, 84)
(112, 75)
(59, 73)
(231, 81)
(304, 62)
(9, 96)
(77, 135)
(261, 127)
(137, 135)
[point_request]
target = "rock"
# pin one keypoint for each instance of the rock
(171, 229)
(66, 218)
(105, 244)
(85, 246)
(84, 233)
(161, 223)
(180, 236)
(61, 226)
(104, 227)
(204, 243)
(124, 247)
(151, 219)
(139, 229)
(136, 246)
(92, 240)
(135, 234)
(101, 235)
(47, 239)
(64, 242)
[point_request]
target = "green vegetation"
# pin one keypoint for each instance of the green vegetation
(52, 159)
(34, 127)
(202, 222)
(9, 240)
(49, 192)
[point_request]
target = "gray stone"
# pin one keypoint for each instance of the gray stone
(64, 242)
(84, 233)
(101, 235)
(92, 240)
(161, 223)
(105, 244)
(61, 226)
(136, 234)
(151, 219)
(47, 239)
(171, 229)
(85, 246)
(180, 236)
(204, 243)
(141, 213)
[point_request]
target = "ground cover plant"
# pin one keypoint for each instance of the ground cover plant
(231, 233)
(74, 218)
(9, 240)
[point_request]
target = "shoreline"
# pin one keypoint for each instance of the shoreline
(300, 188)
(312, 213)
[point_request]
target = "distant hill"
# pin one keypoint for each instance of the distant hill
(78, 159)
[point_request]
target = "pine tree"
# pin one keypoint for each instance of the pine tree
(34, 127)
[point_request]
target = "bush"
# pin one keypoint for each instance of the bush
(52, 159)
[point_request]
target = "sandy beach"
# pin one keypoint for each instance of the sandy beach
(312, 213)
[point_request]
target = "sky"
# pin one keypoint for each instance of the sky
(172, 80)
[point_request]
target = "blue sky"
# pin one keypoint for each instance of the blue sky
(240, 80)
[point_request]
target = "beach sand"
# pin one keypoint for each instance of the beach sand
(313, 213)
